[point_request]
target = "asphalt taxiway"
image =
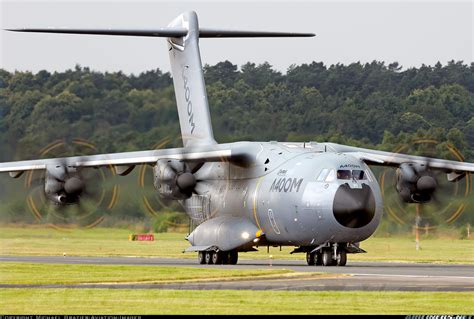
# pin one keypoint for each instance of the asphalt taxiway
(368, 276)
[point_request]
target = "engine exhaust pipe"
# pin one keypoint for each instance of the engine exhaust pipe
(61, 199)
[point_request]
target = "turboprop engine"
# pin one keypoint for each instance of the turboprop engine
(174, 179)
(63, 184)
(416, 183)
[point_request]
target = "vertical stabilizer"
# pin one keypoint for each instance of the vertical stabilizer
(188, 79)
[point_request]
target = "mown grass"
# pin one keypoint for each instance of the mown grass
(142, 301)
(35, 273)
(114, 242)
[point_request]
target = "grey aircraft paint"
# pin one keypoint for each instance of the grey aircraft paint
(321, 198)
(188, 79)
(284, 199)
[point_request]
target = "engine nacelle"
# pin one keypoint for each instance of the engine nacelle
(415, 183)
(63, 184)
(173, 179)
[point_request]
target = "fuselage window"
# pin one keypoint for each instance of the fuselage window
(323, 175)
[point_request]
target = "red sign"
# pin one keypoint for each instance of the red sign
(142, 237)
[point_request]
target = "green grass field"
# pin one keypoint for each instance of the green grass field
(142, 301)
(36, 273)
(114, 242)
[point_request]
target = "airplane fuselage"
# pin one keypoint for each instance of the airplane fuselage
(298, 194)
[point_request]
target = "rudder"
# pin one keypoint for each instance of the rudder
(188, 79)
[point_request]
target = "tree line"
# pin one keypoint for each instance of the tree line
(370, 104)
(375, 105)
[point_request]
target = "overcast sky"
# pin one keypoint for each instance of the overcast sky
(409, 32)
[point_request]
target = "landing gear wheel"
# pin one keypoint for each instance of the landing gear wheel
(318, 259)
(217, 258)
(310, 258)
(209, 257)
(233, 257)
(341, 258)
(327, 258)
(202, 257)
(225, 257)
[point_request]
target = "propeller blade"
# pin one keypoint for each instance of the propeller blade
(177, 166)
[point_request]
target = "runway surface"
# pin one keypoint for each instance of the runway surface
(369, 276)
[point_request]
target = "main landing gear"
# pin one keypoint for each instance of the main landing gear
(326, 257)
(218, 257)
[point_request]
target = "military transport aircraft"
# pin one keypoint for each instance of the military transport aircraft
(321, 198)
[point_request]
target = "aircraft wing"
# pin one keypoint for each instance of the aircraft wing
(203, 154)
(382, 158)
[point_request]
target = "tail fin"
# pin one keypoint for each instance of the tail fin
(188, 79)
(183, 35)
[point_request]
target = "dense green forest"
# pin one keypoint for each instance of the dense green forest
(373, 105)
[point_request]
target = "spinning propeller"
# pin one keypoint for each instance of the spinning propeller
(179, 184)
(66, 195)
(424, 194)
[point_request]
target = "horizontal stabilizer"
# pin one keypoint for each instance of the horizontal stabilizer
(170, 32)
(164, 32)
(216, 33)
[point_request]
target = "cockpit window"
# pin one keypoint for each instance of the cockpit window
(348, 174)
(331, 176)
(358, 174)
(323, 174)
(343, 174)
(328, 175)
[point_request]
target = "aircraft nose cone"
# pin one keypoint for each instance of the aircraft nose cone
(354, 208)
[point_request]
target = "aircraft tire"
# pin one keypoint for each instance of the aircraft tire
(310, 258)
(226, 257)
(327, 257)
(218, 257)
(341, 258)
(318, 259)
(208, 257)
(202, 257)
(233, 257)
